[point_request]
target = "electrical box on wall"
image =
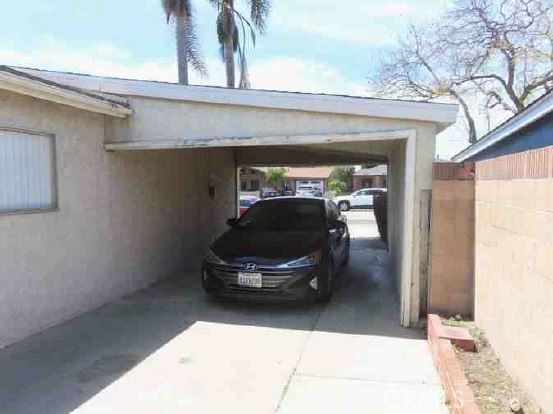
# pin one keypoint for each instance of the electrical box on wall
(213, 180)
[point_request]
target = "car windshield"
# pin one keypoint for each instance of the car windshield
(284, 215)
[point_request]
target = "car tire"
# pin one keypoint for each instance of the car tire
(343, 206)
(326, 283)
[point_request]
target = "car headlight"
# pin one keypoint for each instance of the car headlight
(309, 260)
(213, 258)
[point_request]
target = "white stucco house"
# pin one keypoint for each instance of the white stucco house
(107, 185)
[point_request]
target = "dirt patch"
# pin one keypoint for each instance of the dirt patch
(493, 388)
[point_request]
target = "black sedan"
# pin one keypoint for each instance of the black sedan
(281, 248)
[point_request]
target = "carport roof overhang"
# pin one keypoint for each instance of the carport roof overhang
(440, 114)
(252, 141)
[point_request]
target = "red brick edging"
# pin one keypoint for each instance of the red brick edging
(458, 393)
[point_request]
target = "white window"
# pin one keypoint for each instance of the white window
(27, 171)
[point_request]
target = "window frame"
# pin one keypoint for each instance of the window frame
(54, 173)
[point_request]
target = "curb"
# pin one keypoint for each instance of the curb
(459, 395)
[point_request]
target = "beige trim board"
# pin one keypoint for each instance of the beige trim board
(257, 141)
(60, 95)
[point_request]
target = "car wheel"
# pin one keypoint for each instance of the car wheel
(343, 205)
(326, 284)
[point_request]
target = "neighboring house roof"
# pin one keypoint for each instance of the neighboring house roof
(321, 173)
(378, 170)
(48, 90)
(441, 114)
(540, 108)
(317, 173)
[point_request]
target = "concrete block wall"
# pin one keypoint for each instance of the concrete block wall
(514, 265)
(451, 284)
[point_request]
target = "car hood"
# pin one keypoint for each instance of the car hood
(266, 247)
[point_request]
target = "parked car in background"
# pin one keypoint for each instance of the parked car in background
(308, 191)
(281, 248)
(358, 199)
(246, 202)
(267, 192)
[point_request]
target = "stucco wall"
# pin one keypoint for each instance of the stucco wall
(514, 266)
(396, 194)
(149, 123)
(125, 219)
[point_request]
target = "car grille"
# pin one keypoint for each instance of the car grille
(271, 278)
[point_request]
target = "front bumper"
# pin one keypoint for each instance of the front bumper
(277, 284)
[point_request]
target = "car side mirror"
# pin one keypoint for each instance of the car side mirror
(231, 222)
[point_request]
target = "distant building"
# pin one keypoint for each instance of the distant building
(317, 177)
(255, 178)
(375, 177)
(252, 179)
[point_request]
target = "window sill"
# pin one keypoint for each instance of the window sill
(28, 211)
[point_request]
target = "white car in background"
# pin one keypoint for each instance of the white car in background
(359, 199)
(308, 191)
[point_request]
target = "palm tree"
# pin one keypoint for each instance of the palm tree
(232, 36)
(188, 50)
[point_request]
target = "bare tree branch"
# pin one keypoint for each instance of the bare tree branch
(499, 49)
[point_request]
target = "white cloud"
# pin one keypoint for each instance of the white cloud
(292, 74)
(280, 73)
(369, 22)
(102, 60)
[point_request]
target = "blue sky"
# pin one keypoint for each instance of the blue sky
(310, 45)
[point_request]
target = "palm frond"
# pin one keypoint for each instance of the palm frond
(176, 8)
(215, 3)
(244, 82)
(259, 11)
(226, 26)
(244, 74)
(245, 22)
(194, 53)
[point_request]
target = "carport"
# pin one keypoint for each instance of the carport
(103, 308)
(228, 128)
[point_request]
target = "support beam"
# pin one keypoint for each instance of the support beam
(245, 141)
(409, 285)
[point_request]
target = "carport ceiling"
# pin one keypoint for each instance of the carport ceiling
(303, 156)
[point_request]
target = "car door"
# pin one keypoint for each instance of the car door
(362, 198)
(337, 232)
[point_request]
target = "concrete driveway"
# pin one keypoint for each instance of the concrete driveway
(170, 349)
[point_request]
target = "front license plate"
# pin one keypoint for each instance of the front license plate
(250, 280)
